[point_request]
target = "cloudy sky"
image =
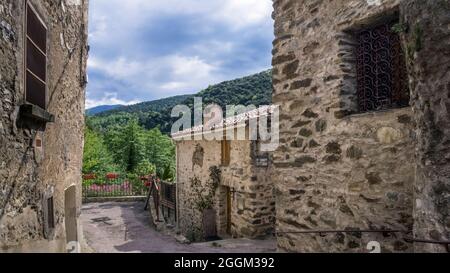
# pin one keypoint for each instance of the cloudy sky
(149, 49)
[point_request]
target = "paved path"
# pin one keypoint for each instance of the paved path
(125, 227)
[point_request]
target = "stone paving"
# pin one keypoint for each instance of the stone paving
(125, 227)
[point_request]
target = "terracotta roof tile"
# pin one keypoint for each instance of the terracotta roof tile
(232, 121)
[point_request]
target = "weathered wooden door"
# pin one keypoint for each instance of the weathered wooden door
(209, 224)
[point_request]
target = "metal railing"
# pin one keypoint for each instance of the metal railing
(112, 185)
(385, 232)
(168, 200)
(168, 195)
(348, 231)
(446, 244)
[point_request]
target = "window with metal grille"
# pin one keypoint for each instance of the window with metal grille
(226, 151)
(36, 58)
(381, 69)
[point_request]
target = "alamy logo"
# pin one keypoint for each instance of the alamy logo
(374, 247)
(73, 247)
(240, 123)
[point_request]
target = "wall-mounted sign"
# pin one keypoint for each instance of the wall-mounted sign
(38, 145)
(262, 161)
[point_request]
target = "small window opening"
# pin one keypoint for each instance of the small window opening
(38, 143)
(50, 213)
(226, 151)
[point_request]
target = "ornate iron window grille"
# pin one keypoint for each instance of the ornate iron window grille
(381, 70)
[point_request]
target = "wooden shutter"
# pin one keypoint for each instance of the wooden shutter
(226, 150)
(36, 59)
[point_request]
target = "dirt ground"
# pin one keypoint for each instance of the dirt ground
(125, 227)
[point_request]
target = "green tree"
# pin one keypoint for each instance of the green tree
(160, 150)
(131, 147)
(96, 157)
(126, 145)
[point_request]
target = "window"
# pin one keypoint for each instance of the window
(48, 211)
(50, 214)
(36, 59)
(226, 150)
(381, 69)
(38, 143)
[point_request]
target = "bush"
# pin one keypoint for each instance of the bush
(145, 168)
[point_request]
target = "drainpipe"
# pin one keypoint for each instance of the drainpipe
(177, 209)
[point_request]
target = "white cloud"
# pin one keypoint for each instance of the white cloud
(213, 48)
(189, 73)
(173, 85)
(108, 99)
(98, 29)
(190, 67)
(132, 13)
(173, 73)
(120, 68)
(243, 13)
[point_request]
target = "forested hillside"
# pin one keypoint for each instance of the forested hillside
(149, 106)
(255, 89)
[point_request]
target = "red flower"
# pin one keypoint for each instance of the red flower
(112, 176)
(89, 176)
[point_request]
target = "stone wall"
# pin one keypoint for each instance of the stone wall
(336, 169)
(252, 203)
(194, 158)
(29, 174)
(428, 46)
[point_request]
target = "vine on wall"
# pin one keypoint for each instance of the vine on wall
(204, 199)
(205, 195)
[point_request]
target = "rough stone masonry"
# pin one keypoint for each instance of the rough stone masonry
(338, 169)
(31, 172)
(243, 201)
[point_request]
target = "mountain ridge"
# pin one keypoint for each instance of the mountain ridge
(102, 108)
(255, 90)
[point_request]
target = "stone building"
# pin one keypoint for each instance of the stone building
(243, 200)
(364, 93)
(43, 52)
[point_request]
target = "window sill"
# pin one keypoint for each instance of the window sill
(34, 112)
(376, 113)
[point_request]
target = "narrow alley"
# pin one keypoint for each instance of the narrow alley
(125, 228)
